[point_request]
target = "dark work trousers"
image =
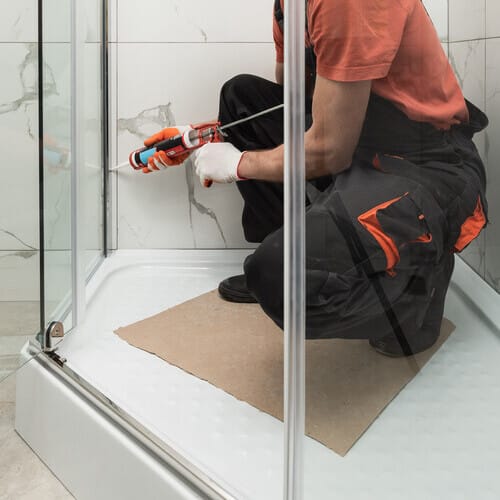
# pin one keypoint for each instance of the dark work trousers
(379, 235)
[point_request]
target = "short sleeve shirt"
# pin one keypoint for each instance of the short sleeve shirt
(394, 44)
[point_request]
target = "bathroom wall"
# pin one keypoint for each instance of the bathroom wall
(474, 47)
(19, 259)
(168, 68)
(170, 60)
(165, 69)
(58, 146)
(19, 214)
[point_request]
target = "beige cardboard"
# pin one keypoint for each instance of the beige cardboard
(237, 348)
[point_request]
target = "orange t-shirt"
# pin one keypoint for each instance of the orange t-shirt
(393, 43)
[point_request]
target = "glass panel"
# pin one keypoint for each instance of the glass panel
(402, 335)
(19, 235)
(57, 168)
(93, 193)
(20, 305)
(186, 240)
(59, 112)
(57, 157)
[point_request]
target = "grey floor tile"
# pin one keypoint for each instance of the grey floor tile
(19, 318)
(24, 476)
(7, 389)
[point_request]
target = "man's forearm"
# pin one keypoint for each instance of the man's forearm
(338, 115)
(263, 165)
(268, 165)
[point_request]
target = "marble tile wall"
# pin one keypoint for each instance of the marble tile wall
(19, 153)
(167, 69)
(171, 210)
(492, 154)
(474, 44)
(58, 154)
(19, 254)
(19, 214)
(438, 11)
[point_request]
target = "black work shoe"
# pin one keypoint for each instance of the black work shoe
(426, 336)
(234, 289)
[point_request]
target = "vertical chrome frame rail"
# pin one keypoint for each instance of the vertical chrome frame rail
(41, 182)
(294, 244)
(105, 124)
(77, 161)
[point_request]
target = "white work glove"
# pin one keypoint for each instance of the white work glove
(217, 162)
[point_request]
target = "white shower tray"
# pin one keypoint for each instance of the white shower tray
(438, 439)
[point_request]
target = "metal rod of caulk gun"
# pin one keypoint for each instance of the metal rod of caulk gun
(248, 118)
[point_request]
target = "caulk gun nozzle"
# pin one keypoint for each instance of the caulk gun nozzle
(118, 167)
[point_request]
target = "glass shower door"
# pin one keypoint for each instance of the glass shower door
(72, 154)
(52, 201)
(19, 237)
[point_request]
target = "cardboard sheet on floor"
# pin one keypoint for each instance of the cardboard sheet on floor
(237, 348)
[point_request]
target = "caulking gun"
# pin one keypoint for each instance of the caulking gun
(192, 139)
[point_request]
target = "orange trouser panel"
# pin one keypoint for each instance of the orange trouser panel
(370, 222)
(471, 227)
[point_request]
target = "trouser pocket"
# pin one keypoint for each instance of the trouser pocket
(409, 229)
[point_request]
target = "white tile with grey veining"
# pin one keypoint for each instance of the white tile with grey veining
(446, 48)
(18, 147)
(195, 21)
(493, 160)
(475, 254)
(18, 21)
(57, 121)
(467, 19)
(93, 200)
(170, 209)
(438, 10)
(492, 18)
(93, 20)
(57, 145)
(57, 282)
(468, 61)
(112, 20)
(113, 144)
(57, 20)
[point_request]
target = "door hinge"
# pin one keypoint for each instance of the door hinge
(54, 330)
(56, 358)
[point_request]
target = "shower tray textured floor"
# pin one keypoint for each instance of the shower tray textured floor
(438, 439)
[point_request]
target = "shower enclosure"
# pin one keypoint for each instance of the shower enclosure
(105, 248)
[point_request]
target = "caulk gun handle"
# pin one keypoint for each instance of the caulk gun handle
(170, 144)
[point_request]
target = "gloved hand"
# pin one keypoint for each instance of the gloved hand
(217, 162)
(160, 160)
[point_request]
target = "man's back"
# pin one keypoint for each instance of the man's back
(394, 44)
